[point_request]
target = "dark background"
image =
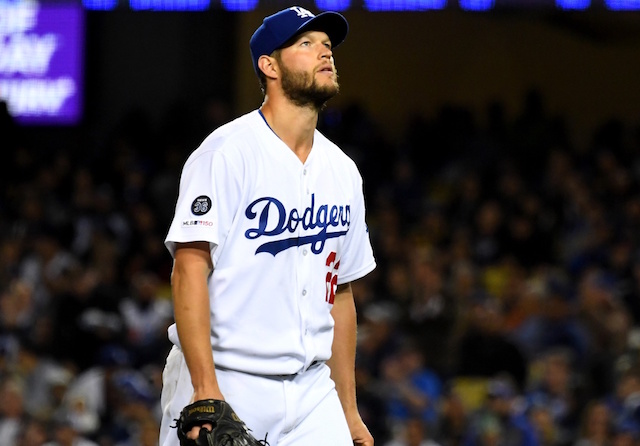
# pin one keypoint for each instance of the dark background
(396, 65)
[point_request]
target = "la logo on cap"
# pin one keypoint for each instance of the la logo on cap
(302, 13)
(280, 27)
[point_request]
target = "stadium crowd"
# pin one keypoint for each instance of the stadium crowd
(505, 309)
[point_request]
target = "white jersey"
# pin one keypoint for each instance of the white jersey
(283, 234)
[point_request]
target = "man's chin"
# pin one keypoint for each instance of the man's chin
(315, 97)
(329, 90)
(322, 99)
(331, 85)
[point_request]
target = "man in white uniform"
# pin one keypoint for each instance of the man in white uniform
(269, 231)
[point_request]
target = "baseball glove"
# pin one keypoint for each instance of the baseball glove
(228, 428)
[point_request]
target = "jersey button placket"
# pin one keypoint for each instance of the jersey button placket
(304, 180)
(305, 263)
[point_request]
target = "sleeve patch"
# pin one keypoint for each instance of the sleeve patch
(188, 223)
(201, 205)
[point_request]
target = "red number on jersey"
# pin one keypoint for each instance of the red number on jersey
(332, 277)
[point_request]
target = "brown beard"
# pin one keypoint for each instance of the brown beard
(303, 90)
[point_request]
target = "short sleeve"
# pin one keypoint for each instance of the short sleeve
(207, 202)
(357, 259)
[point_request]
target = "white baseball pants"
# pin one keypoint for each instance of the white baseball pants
(289, 410)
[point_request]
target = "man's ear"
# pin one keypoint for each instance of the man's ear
(268, 66)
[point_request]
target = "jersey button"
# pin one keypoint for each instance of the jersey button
(304, 292)
(304, 252)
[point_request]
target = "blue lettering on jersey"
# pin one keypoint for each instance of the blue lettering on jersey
(288, 221)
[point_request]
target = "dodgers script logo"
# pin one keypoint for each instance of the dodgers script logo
(324, 218)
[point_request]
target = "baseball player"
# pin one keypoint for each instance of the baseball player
(269, 231)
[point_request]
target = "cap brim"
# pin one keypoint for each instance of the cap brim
(332, 23)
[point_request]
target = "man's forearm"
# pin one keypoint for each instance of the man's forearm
(192, 316)
(342, 362)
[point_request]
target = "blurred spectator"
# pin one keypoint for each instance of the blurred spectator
(556, 385)
(46, 266)
(608, 323)
(146, 251)
(501, 420)
(595, 425)
(552, 320)
(33, 432)
(86, 316)
(406, 191)
(411, 390)
(624, 401)
(544, 425)
(12, 411)
(413, 432)
(620, 264)
(45, 381)
(489, 233)
(431, 312)
(17, 307)
(466, 199)
(398, 287)
(145, 433)
(131, 411)
(625, 435)
(485, 349)
(387, 233)
(146, 316)
(377, 340)
(88, 402)
(64, 434)
(453, 419)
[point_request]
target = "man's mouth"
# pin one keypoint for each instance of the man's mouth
(326, 69)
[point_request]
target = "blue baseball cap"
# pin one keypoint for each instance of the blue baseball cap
(278, 28)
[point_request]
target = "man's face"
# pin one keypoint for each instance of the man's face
(307, 73)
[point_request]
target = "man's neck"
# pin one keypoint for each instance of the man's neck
(294, 125)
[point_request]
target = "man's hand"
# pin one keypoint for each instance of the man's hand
(359, 432)
(227, 429)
